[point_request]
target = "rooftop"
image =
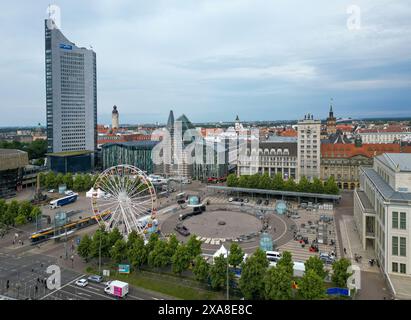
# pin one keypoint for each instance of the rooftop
(142, 144)
(12, 159)
(70, 153)
(387, 192)
(400, 162)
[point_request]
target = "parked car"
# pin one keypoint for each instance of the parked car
(95, 278)
(181, 229)
(266, 202)
(246, 200)
(82, 283)
(231, 199)
(52, 191)
(327, 258)
(259, 201)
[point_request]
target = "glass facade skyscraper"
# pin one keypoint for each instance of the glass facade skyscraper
(71, 93)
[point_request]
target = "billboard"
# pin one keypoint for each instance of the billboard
(124, 268)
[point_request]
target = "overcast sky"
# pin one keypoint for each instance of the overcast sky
(214, 59)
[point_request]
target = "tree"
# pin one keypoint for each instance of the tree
(25, 209)
(132, 238)
(84, 247)
(194, 246)
(20, 220)
(114, 236)
(311, 286)
(290, 185)
(277, 182)
(232, 180)
(154, 238)
(100, 237)
(331, 187)
(252, 276)
(12, 212)
(172, 244)
(78, 183)
(218, 273)
(317, 265)
(137, 252)
(68, 180)
(236, 256)
(50, 181)
(119, 251)
(317, 186)
(181, 259)
(277, 284)
(201, 269)
(87, 183)
(286, 261)
(59, 179)
(243, 182)
(340, 272)
(254, 181)
(265, 182)
(35, 212)
(304, 185)
(3, 210)
(159, 258)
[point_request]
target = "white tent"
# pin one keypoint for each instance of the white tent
(222, 251)
(97, 194)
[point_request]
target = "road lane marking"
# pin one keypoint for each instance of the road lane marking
(67, 284)
(101, 295)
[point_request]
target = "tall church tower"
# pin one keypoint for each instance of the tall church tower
(331, 121)
(115, 119)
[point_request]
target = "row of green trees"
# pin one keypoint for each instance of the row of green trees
(17, 213)
(157, 253)
(78, 182)
(36, 149)
(258, 280)
(277, 182)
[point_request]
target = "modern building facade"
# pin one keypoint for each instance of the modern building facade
(135, 153)
(71, 93)
(270, 158)
(309, 144)
(382, 212)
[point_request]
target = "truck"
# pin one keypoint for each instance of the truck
(63, 201)
(117, 288)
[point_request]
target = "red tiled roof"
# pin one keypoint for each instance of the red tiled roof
(342, 150)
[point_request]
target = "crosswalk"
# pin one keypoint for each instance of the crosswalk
(301, 253)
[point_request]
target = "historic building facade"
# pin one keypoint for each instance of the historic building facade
(342, 161)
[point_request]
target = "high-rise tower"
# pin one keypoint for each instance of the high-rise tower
(71, 93)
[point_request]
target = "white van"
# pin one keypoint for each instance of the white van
(273, 256)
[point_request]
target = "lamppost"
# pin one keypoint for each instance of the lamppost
(99, 257)
(228, 287)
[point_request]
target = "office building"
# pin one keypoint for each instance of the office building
(309, 132)
(71, 93)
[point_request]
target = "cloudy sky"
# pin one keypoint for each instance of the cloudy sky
(214, 59)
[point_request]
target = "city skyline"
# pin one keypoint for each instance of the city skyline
(218, 63)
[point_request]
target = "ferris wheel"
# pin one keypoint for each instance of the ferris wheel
(124, 198)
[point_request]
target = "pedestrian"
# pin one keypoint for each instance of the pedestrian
(345, 251)
(14, 242)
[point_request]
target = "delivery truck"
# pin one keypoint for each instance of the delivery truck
(117, 288)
